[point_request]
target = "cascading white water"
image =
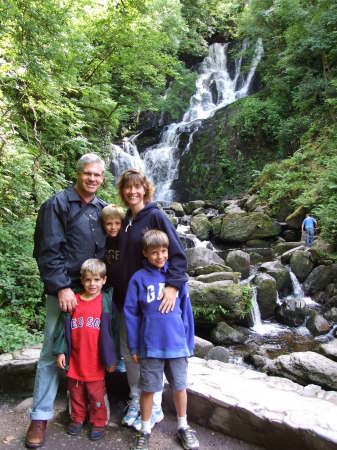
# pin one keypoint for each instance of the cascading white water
(215, 88)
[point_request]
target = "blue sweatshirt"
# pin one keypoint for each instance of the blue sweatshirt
(130, 246)
(152, 334)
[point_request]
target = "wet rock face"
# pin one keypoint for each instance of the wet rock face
(224, 334)
(290, 314)
(301, 264)
(266, 294)
(219, 354)
(281, 275)
(317, 324)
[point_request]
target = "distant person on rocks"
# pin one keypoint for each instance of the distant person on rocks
(308, 228)
(68, 232)
(136, 191)
(87, 344)
(159, 343)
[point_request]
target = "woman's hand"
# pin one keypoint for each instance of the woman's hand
(168, 300)
(135, 359)
(61, 361)
(112, 368)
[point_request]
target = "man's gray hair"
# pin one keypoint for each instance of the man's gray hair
(89, 158)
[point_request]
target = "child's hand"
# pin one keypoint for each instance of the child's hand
(112, 368)
(168, 299)
(135, 359)
(61, 361)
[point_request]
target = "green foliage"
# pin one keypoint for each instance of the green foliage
(209, 313)
(179, 94)
(245, 304)
(306, 178)
(22, 309)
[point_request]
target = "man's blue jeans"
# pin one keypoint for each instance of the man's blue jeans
(46, 378)
(309, 237)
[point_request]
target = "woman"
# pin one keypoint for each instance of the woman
(136, 191)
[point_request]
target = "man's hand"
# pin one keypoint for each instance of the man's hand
(168, 300)
(67, 300)
(135, 359)
(112, 368)
(61, 361)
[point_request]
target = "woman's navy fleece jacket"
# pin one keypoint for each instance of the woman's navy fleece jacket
(131, 257)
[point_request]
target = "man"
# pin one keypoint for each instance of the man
(68, 231)
(308, 227)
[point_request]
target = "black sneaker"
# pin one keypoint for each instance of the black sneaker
(188, 438)
(142, 441)
(74, 428)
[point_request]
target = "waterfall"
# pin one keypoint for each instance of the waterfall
(298, 293)
(255, 312)
(215, 88)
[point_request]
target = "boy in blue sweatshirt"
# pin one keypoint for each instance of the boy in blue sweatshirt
(160, 343)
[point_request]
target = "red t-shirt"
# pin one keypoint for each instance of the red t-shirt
(85, 364)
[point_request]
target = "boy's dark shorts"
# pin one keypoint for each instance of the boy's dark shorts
(152, 369)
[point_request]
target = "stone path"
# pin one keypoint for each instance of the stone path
(14, 422)
(231, 400)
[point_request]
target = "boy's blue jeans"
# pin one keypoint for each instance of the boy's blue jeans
(46, 378)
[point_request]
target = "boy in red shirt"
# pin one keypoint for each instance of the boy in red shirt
(85, 347)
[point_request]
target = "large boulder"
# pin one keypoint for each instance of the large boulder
(220, 294)
(201, 347)
(219, 354)
(295, 219)
(290, 313)
(319, 278)
(239, 261)
(202, 257)
(285, 257)
(266, 294)
(224, 334)
(305, 368)
(201, 226)
(211, 269)
(177, 208)
(243, 227)
(219, 276)
(317, 324)
(282, 247)
(322, 246)
(329, 349)
(251, 203)
(301, 264)
(281, 276)
(192, 205)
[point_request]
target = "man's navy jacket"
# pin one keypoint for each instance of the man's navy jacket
(68, 231)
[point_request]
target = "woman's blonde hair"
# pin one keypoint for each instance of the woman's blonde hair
(134, 176)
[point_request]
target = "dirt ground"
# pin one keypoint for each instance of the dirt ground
(14, 422)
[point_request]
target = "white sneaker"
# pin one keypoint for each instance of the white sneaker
(131, 415)
(156, 417)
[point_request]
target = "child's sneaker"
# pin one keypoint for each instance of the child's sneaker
(156, 417)
(96, 433)
(74, 428)
(130, 416)
(142, 441)
(121, 366)
(188, 438)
